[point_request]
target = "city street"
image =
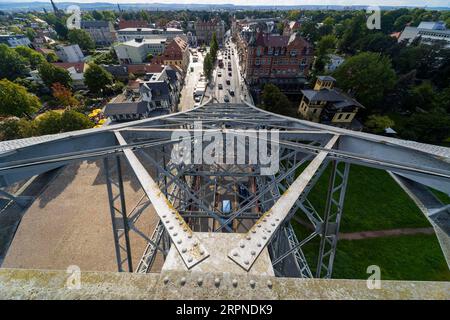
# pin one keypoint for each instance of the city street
(187, 100)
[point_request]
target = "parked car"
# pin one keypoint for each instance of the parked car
(228, 82)
(220, 86)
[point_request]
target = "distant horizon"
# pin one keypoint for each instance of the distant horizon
(262, 3)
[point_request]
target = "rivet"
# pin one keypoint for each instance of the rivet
(175, 234)
(259, 244)
(184, 250)
(277, 219)
(242, 245)
(190, 259)
(200, 281)
(235, 283)
(264, 237)
(253, 231)
(167, 221)
(166, 280)
(253, 252)
(217, 282)
(246, 262)
(183, 281)
(259, 226)
(248, 238)
(171, 227)
(252, 283)
(195, 244)
(179, 241)
(235, 253)
(181, 223)
(202, 252)
(269, 284)
(273, 224)
(189, 236)
(164, 215)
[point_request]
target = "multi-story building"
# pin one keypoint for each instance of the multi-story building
(204, 30)
(70, 53)
(137, 50)
(158, 91)
(428, 32)
(148, 33)
(123, 24)
(15, 40)
(282, 60)
(175, 54)
(291, 28)
(102, 32)
(329, 105)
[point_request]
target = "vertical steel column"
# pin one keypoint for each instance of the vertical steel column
(119, 217)
(333, 213)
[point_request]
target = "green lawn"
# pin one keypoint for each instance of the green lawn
(373, 201)
(417, 257)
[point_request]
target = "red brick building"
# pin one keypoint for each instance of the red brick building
(282, 60)
(175, 54)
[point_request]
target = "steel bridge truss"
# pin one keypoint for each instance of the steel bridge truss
(271, 211)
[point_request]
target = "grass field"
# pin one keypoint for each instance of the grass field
(374, 201)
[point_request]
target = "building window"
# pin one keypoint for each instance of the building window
(348, 116)
(340, 116)
(293, 53)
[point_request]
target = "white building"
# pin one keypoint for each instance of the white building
(70, 53)
(15, 40)
(136, 50)
(429, 32)
(148, 33)
(334, 61)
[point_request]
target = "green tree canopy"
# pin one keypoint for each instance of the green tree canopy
(368, 76)
(207, 65)
(82, 38)
(377, 123)
(51, 74)
(430, 127)
(326, 44)
(274, 100)
(72, 120)
(16, 100)
(33, 57)
(49, 123)
(12, 64)
(97, 78)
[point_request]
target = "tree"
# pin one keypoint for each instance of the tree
(377, 124)
(15, 128)
(368, 76)
(421, 97)
(49, 123)
(72, 120)
(427, 127)
(12, 64)
(33, 57)
(51, 74)
(354, 31)
(97, 78)
(214, 47)
(326, 44)
(149, 57)
(82, 38)
(16, 100)
(64, 96)
(52, 57)
(274, 100)
(207, 65)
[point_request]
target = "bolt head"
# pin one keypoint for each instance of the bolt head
(252, 283)
(217, 282)
(183, 281)
(235, 283)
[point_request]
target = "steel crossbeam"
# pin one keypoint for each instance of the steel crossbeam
(251, 245)
(187, 243)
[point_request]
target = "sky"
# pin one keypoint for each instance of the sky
(421, 3)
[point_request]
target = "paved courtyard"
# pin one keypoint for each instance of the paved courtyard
(69, 223)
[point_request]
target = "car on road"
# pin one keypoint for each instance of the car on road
(229, 74)
(226, 98)
(228, 81)
(220, 86)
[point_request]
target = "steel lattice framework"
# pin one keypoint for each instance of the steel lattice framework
(187, 195)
